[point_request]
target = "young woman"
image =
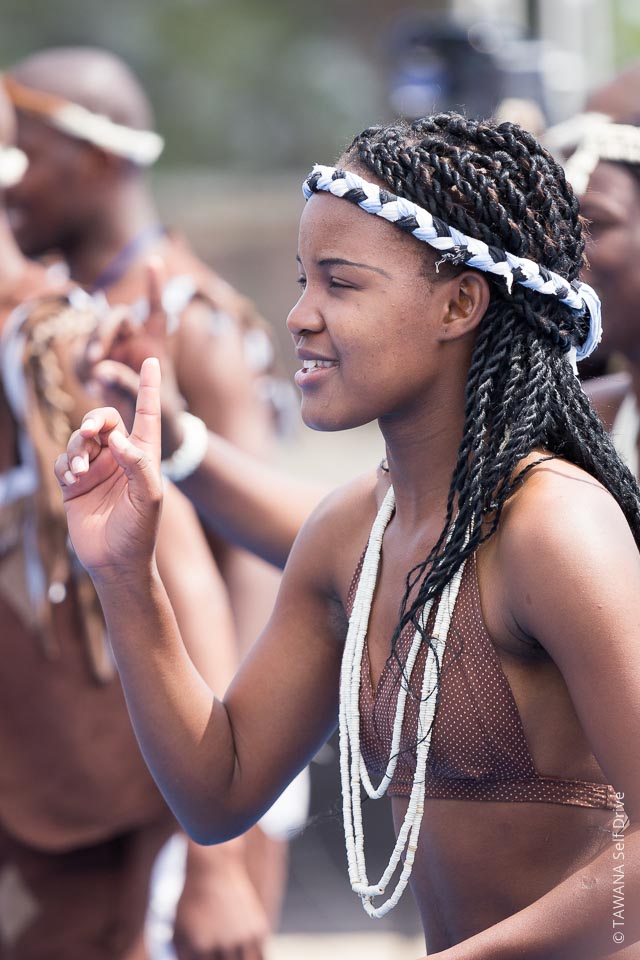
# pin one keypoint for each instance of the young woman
(488, 637)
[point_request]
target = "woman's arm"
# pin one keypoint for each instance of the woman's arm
(219, 764)
(196, 591)
(573, 576)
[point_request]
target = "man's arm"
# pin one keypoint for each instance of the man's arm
(215, 378)
(249, 502)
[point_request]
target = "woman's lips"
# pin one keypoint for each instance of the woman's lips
(313, 371)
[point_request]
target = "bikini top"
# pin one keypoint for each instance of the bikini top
(478, 747)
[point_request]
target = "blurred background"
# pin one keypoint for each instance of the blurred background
(249, 94)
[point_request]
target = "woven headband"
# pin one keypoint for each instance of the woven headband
(458, 248)
(142, 147)
(600, 138)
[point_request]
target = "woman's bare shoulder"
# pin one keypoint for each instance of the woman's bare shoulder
(559, 514)
(554, 492)
(335, 534)
(563, 541)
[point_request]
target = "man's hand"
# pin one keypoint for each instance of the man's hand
(219, 915)
(123, 337)
(114, 357)
(119, 385)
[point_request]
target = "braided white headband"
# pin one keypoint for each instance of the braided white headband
(563, 138)
(140, 146)
(459, 248)
(606, 140)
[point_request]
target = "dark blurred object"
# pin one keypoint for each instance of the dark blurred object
(597, 365)
(440, 64)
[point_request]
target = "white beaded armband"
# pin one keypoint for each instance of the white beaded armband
(187, 458)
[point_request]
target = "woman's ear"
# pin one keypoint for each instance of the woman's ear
(468, 304)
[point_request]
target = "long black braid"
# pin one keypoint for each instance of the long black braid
(494, 182)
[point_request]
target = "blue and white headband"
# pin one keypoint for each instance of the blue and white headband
(459, 248)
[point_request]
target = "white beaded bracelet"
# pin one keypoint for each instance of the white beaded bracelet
(187, 458)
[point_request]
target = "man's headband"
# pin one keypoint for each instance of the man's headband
(142, 147)
(459, 249)
(595, 137)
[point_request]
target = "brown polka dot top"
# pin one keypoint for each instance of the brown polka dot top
(478, 746)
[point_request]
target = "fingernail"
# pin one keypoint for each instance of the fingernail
(69, 478)
(88, 424)
(118, 440)
(79, 465)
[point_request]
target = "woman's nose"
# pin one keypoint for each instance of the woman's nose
(305, 316)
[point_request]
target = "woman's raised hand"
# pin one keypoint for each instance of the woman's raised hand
(112, 486)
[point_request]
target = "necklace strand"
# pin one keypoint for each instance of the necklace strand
(353, 771)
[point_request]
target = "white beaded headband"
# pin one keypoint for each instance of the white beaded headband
(601, 139)
(458, 248)
(563, 138)
(142, 147)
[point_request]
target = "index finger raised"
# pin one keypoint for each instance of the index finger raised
(146, 424)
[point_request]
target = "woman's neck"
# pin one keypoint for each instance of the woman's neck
(422, 450)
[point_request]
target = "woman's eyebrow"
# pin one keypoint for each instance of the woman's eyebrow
(340, 262)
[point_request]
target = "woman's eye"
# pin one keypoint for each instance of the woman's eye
(301, 281)
(340, 284)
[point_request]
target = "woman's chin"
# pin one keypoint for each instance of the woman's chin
(328, 421)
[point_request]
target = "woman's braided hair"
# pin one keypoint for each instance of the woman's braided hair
(494, 182)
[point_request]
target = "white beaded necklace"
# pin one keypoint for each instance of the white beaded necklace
(352, 768)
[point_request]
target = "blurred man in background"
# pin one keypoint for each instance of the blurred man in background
(602, 151)
(81, 820)
(86, 125)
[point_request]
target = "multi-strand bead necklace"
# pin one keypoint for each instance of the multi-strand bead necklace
(352, 767)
